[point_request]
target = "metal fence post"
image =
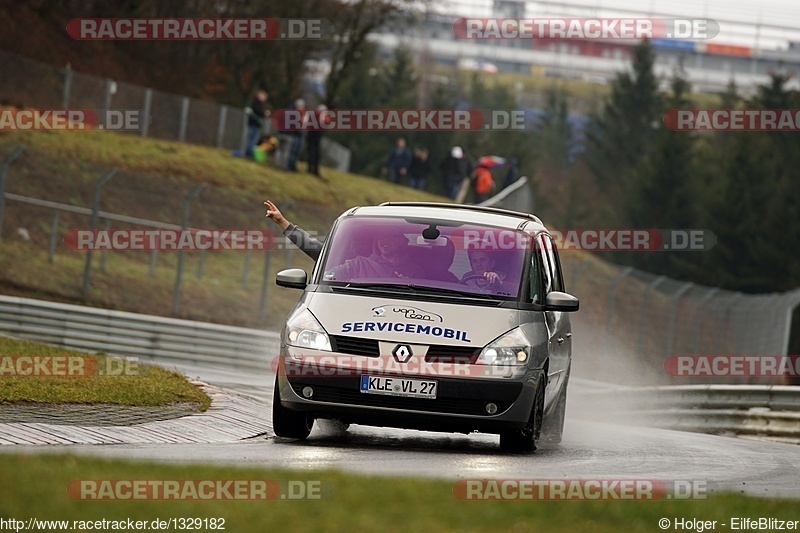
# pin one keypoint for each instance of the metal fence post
(700, 305)
(724, 326)
(673, 318)
(104, 253)
(644, 312)
(148, 103)
(176, 295)
(184, 119)
(67, 86)
(3, 178)
(223, 114)
(98, 187)
(794, 301)
(153, 258)
(51, 251)
(612, 291)
(262, 308)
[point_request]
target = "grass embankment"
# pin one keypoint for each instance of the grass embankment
(33, 372)
(155, 177)
(36, 486)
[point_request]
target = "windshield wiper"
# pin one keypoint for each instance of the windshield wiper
(422, 288)
(440, 290)
(379, 286)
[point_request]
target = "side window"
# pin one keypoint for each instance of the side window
(535, 279)
(555, 265)
(546, 270)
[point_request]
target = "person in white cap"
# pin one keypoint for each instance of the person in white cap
(455, 167)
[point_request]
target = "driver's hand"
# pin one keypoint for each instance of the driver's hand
(491, 277)
(275, 215)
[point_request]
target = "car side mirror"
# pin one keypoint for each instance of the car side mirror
(561, 301)
(292, 278)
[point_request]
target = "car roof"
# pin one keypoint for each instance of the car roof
(470, 214)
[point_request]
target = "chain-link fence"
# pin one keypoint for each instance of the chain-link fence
(40, 206)
(30, 84)
(631, 322)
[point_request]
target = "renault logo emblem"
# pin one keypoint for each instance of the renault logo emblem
(402, 353)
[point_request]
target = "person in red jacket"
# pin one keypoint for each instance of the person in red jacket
(482, 184)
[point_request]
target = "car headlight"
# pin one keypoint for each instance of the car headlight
(303, 330)
(512, 349)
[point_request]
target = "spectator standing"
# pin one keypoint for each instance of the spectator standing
(314, 140)
(482, 184)
(398, 163)
(419, 170)
(512, 174)
(257, 114)
(292, 139)
(455, 167)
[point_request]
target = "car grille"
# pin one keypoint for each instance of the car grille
(437, 353)
(355, 345)
(460, 406)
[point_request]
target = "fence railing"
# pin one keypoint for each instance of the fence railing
(29, 83)
(159, 339)
(764, 410)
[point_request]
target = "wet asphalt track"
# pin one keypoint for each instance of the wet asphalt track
(591, 449)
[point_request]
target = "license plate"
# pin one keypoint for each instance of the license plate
(408, 388)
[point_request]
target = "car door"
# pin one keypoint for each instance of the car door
(558, 325)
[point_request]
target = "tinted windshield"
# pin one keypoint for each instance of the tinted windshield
(466, 258)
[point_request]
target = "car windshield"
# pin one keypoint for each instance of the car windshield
(428, 255)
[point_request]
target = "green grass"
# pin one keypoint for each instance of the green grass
(36, 486)
(88, 379)
(155, 176)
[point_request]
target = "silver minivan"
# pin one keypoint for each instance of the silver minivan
(438, 317)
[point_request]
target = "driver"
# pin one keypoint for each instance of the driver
(390, 258)
(484, 273)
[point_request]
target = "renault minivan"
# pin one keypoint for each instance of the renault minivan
(437, 317)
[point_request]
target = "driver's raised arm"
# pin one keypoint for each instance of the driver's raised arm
(299, 237)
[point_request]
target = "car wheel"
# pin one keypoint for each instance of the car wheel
(553, 425)
(288, 423)
(526, 439)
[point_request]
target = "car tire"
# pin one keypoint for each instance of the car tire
(553, 425)
(526, 440)
(287, 423)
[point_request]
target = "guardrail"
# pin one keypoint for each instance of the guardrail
(764, 410)
(165, 340)
(767, 410)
